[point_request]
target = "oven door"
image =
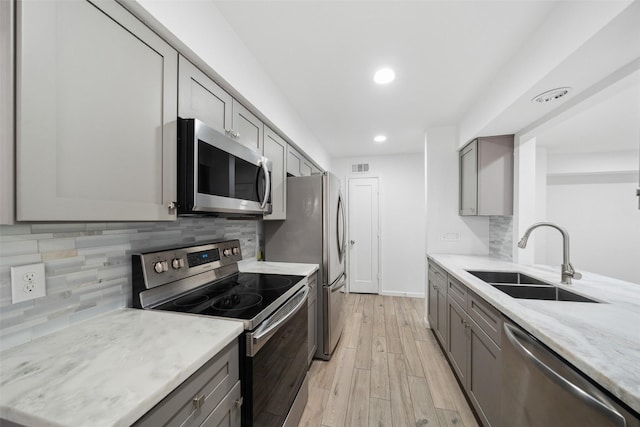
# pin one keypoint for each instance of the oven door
(276, 364)
(219, 175)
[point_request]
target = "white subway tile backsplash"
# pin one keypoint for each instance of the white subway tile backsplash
(88, 266)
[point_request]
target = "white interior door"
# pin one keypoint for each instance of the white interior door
(363, 235)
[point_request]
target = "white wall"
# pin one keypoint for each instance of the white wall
(200, 26)
(598, 209)
(447, 232)
(401, 188)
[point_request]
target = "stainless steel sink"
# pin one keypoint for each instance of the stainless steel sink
(518, 285)
(507, 277)
(551, 293)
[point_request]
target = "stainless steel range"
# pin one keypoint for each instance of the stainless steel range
(204, 280)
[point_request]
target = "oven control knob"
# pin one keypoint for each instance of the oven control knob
(159, 267)
(226, 252)
(177, 263)
(236, 250)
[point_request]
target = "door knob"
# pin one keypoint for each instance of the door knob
(353, 242)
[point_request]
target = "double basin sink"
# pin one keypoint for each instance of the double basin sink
(519, 285)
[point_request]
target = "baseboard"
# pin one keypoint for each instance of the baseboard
(402, 294)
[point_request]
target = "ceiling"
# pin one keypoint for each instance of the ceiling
(322, 55)
(611, 124)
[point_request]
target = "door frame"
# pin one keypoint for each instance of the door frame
(349, 178)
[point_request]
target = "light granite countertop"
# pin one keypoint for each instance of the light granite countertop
(270, 267)
(601, 340)
(107, 371)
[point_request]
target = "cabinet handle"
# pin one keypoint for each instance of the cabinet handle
(198, 401)
(238, 402)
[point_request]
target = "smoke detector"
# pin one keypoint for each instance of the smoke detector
(551, 95)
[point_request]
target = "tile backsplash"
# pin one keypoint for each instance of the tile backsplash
(501, 237)
(88, 266)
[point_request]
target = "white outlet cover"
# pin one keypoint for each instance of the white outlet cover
(23, 289)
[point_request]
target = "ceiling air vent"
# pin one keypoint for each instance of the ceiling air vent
(551, 95)
(360, 168)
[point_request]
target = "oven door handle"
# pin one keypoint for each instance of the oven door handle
(259, 337)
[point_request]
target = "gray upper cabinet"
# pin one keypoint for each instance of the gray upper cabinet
(299, 165)
(275, 149)
(486, 176)
(247, 129)
(96, 114)
(201, 98)
(7, 178)
(294, 161)
(305, 168)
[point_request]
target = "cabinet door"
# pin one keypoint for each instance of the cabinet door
(457, 339)
(275, 149)
(96, 114)
(7, 176)
(442, 313)
(433, 301)
(305, 168)
(313, 315)
(484, 375)
(201, 98)
(247, 128)
(469, 179)
(294, 162)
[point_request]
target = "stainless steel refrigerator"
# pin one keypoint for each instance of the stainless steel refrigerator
(315, 232)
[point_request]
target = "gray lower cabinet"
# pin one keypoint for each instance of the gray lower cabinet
(96, 108)
(313, 315)
(275, 149)
(472, 352)
(437, 302)
(210, 397)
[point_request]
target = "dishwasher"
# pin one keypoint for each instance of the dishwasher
(540, 389)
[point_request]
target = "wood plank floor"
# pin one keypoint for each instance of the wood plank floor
(388, 370)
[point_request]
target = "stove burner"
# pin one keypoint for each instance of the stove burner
(223, 286)
(237, 301)
(190, 300)
(272, 283)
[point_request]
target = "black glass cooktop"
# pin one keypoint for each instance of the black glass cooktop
(241, 296)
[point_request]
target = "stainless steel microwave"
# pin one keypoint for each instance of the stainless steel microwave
(217, 175)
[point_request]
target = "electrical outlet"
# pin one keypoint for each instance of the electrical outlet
(27, 282)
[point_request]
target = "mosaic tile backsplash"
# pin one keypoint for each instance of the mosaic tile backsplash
(88, 266)
(501, 237)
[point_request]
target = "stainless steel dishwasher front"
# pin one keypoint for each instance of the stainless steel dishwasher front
(540, 389)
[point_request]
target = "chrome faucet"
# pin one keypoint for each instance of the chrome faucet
(568, 272)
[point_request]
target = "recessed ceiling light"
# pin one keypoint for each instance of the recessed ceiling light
(380, 138)
(551, 95)
(384, 76)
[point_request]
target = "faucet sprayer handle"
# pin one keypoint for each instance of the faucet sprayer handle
(573, 273)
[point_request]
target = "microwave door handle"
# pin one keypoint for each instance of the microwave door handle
(267, 189)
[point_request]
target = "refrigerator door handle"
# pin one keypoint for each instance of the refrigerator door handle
(341, 237)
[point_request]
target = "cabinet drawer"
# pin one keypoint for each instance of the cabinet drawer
(486, 316)
(313, 280)
(210, 384)
(457, 291)
(436, 270)
(227, 413)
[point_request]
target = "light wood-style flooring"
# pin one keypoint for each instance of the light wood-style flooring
(388, 370)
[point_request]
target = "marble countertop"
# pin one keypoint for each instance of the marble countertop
(601, 340)
(270, 267)
(107, 371)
